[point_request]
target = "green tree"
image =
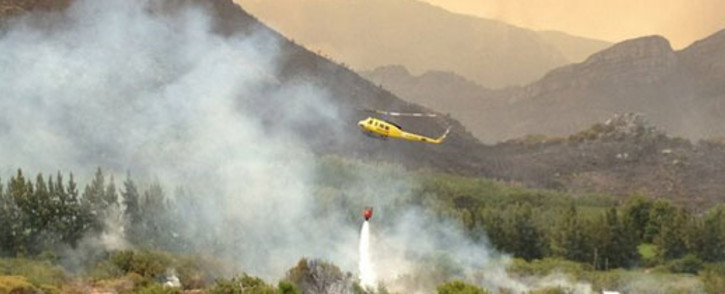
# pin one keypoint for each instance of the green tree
(66, 209)
(573, 240)
(110, 197)
(619, 246)
(132, 213)
(636, 214)
(94, 200)
(79, 219)
(287, 287)
(12, 219)
(662, 212)
(42, 217)
(495, 228)
(525, 237)
(157, 219)
(21, 193)
(672, 240)
(712, 246)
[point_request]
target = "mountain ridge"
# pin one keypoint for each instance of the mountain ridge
(679, 90)
(420, 36)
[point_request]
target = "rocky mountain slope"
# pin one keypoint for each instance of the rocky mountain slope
(621, 156)
(370, 33)
(681, 92)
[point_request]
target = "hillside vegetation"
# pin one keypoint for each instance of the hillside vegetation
(50, 218)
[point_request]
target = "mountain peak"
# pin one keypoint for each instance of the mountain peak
(644, 48)
(641, 60)
(706, 59)
(390, 70)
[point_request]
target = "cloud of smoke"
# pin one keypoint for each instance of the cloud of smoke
(123, 85)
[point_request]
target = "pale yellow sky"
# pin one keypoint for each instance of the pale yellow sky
(680, 21)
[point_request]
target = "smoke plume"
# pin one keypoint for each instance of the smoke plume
(123, 85)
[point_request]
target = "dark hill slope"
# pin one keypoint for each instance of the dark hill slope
(446, 92)
(347, 90)
(623, 156)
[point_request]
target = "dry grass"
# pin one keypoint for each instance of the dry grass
(15, 284)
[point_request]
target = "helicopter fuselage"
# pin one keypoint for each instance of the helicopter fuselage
(385, 129)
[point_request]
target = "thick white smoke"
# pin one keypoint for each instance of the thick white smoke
(118, 85)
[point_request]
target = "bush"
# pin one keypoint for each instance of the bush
(123, 284)
(316, 276)
(194, 272)
(148, 264)
(243, 284)
(458, 287)
(15, 284)
(287, 287)
(690, 264)
(37, 273)
(713, 278)
(542, 267)
(549, 291)
(158, 289)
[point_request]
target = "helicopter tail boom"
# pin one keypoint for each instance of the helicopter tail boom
(415, 137)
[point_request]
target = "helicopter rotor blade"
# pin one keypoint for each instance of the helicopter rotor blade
(402, 114)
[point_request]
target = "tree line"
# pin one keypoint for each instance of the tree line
(51, 213)
(607, 238)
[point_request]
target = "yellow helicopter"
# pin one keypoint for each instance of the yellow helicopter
(384, 129)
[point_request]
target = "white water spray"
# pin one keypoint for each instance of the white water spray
(367, 275)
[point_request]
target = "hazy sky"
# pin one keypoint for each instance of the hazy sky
(681, 21)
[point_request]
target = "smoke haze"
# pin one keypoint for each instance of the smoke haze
(607, 20)
(121, 86)
(128, 86)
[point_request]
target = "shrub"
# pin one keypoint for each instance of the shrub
(542, 267)
(158, 289)
(38, 273)
(690, 264)
(287, 287)
(243, 284)
(316, 276)
(458, 287)
(549, 291)
(713, 278)
(15, 284)
(194, 272)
